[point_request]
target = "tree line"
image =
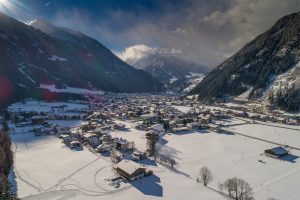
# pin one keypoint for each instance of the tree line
(6, 161)
(236, 188)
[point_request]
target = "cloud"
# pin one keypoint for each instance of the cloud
(134, 53)
(48, 3)
(205, 31)
(179, 31)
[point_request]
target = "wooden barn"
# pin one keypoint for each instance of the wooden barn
(131, 170)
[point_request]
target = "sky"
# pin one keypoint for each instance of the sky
(203, 31)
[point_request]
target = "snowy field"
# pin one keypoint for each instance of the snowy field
(46, 169)
(71, 90)
(284, 136)
(39, 106)
(235, 156)
(183, 109)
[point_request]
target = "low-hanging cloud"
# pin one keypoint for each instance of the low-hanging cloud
(134, 53)
(204, 31)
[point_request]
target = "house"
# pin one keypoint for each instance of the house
(131, 170)
(74, 144)
(106, 138)
(215, 127)
(204, 119)
(58, 109)
(138, 155)
(38, 119)
(276, 152)
(141, 127)
(66, 138)
(182, 129)
(196, 125)
(156, 127)
(63, 130)
(103, 148)
(92, 139)
(119, 126)
(122, 144)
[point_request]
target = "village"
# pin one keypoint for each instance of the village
(138, 141)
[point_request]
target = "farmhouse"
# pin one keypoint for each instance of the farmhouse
(131, 170)
(276, 152)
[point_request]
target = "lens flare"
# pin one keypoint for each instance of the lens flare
(14, 8)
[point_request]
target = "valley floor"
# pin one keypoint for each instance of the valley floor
(46, 169)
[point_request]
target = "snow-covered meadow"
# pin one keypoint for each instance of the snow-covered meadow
(39, 106)
(47, 169)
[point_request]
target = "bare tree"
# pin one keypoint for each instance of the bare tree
(205, 175)
(152, 139)
(172, 162)
(114, 156)
(131, 145)
(221, 187)
(237, 189)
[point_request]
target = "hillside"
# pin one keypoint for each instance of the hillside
(30, 57)
(176, 74)
(263, 66)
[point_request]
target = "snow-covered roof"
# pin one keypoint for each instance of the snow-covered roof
(128, 166)
(90, 135)
(279, 150)
(157, 127)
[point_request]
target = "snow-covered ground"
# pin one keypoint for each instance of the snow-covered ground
(183, 109)
(131, 134)
(194, 79)
(231, 122)
(173, 79)
(57, 58)
(46, 169)
(21, 69)
(285, 136)
(235, 156)
(72, 90)
(246, 94)
(281, 80)
(39, 106)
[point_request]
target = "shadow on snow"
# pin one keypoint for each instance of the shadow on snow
(149, 186)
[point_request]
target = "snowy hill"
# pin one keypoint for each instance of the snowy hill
(175, 73)
(263, 66)
(66, 58)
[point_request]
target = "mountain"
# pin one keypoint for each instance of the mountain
(175, 73)
(267, 68)
(30, 57)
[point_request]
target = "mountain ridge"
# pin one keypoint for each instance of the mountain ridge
(175, 73)
(30, 57)
(257, 64)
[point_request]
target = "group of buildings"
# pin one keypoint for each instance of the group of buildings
(154, 114)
